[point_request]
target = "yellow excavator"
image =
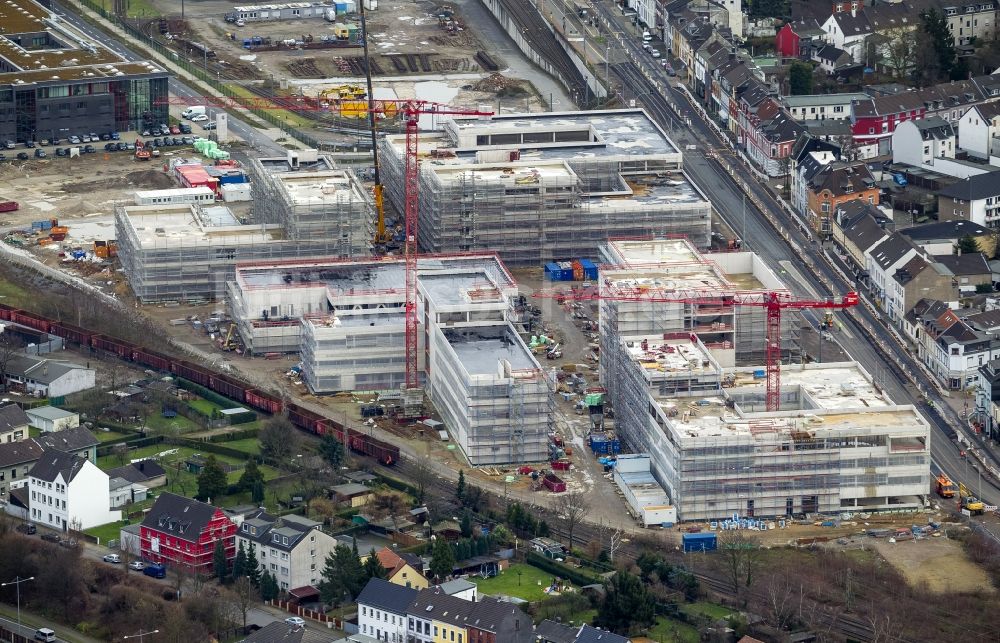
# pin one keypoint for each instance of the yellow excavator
(974, 505)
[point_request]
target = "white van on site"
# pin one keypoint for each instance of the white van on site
(45, 634)
(194, 110)
(646, 36)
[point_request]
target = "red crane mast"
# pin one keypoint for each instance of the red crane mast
(411, 111)
(772, 301)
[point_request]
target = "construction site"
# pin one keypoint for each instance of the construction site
(347, 320)
(187, 252)
(543, 187)
(681, 359)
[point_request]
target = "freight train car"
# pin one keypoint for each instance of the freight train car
(123, 349)
(229, 386)
(152, 359)
(192, 372)
(264, 401)
(31, 320)
(71, 333)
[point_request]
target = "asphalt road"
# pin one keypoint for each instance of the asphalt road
(644, 80)
(253, 137)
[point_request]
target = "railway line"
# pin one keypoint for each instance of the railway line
(533, 30)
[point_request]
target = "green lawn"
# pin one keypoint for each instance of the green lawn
(710, 610)
(670, 630)
(14, 295)
(179, 479)
(110, 531)
(204, 406)
(528, 584)
(177, 424)
(105, 436)
(248, 445)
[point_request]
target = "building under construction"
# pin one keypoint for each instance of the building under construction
(541, 187)
(347, 318)
(189, 251)
(837, 444)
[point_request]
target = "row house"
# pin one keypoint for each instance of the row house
(857, 228)
(979, 131)
(795, 37)
(69, 492)
(292, 548)
(182, 532)
(975, 199)
(875, 119)
(18, 457)
(924, 321)
(821, 107)
(768, 134)
(921, 142)
(971, 21)
(960, 351)
(727, 82)
(834, 185)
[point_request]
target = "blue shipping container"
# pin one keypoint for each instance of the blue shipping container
(553, 272)
(700, 542)
(589, 269)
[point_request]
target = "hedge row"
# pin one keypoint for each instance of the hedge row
(107, 448)
(572, 574)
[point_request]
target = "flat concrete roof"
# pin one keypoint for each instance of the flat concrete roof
(70, 54)
(670, 356)
(346, 277)
(668, 265)
(481, 349)
(159, 226)
(460, 289)
(320, 188)
(604, 134)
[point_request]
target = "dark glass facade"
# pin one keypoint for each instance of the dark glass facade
(59, 108)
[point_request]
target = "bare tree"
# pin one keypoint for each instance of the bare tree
(778, 601)
(571, 507)
(244, 597)
(121, 451)
(388, 504)
(127, 543)
(898, 50)
(423, 473)
(741, 556)
(9, 347)
(616, 538)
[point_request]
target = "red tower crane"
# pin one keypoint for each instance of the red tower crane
(411, 111)
(773, 302)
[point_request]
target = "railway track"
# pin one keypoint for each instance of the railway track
(533, 30)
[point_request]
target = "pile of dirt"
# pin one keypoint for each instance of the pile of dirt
(496, 83)
(145, 179)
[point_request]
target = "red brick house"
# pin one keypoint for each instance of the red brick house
(181, 532)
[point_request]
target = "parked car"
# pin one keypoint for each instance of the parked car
(208, 126)
(110, 147)
(188, 140)
(175, 129)
(22, 156)
(115, 136)
(62, 151)
(27, 528)
(29, 143)
(68, 543)
(45, 634)
(185, 128)
(90, 149)
(85, 138)
(146, 132)
(9, 144)
(74, 140)
(130, 146)
(120, 146)
(105, 137)
(137, 565)
(44, 142)
(199, 118)
(3, 157)
(50, 537)
(295, 621)
(112, 558)
(156, 570)
(55, 141)
(40, 153)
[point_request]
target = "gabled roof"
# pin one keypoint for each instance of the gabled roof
(386, 596)
(588, 634)
(432, 603)
(281, 632)
(987, 111)
(945, 230)
(283, 533)
(456, 586)
(925, 309)
(73, 439)
(12, 417)
(43, 371)
(504, 619)
(140, 471)
(393, 562)
(865, 233)
(842, 178)
(891, 250)
(834, 55)
(853, 25)
(985, 321)
(53, 464)
(908, 271)
(182, 517)
(974, 188)
(934, 128)
(968, 265)
(13, 453)
(552, 632)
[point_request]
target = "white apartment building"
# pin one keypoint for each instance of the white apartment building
(292, 548)
(822, 107)
(837, 444)
(69, 492)
(382, 610)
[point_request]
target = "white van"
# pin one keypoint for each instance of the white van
(194, 110)
(45, 634)
(646, 36)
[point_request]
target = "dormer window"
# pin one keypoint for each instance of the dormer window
(246, 528)
(276, 538)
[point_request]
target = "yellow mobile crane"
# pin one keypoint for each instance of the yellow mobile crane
(382, 236)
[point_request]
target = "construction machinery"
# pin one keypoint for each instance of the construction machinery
(141, 153)
(773, 302)
(969, 502)
(944, 486)
(411, 111)
(382, 236)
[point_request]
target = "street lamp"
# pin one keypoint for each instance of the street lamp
(140, 635)
(17, 583)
